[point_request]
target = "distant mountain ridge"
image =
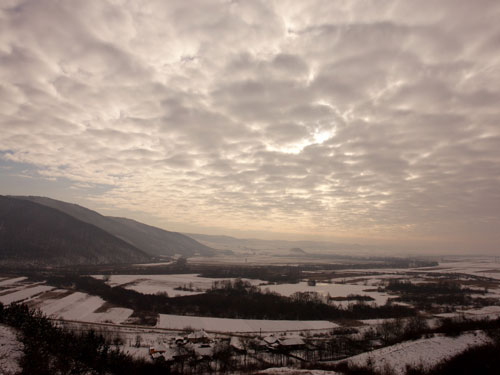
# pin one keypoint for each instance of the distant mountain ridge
(255, 245)
(297, 251)
(94, 238)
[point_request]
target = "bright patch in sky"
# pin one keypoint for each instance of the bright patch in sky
(250, 116)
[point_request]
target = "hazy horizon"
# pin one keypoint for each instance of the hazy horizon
(371, 122)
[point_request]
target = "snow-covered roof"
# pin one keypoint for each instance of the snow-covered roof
(199, 335)
(292, 341)
(204, 351)
(271, 339)
(236, 343)
(169, 354)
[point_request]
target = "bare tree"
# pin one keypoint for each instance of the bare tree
(138, 340)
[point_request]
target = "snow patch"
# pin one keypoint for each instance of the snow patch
(180, 322)
(11, 351)
(294, 371)
(426, 352)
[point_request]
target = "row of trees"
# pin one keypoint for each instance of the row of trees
(438, 293)
(440, 287)
(231, 299)
(294, 274)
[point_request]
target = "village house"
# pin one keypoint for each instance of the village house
(236, 344)
(292, 343)
(199, 337)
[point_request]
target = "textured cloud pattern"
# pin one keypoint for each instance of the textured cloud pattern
(368, 119)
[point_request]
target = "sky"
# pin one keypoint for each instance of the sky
(368, 121)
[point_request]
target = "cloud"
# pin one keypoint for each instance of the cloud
(375, 120)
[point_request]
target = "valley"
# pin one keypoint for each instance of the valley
(332, 317)
(156, 301)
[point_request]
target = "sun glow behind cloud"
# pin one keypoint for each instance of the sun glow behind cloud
(370, 119)
(316, 138)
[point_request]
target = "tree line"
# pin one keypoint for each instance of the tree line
(230, 299)
(444, 292)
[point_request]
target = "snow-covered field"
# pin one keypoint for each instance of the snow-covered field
(11, 289)
(294, 371)
(81, 307)
(11, 281)
(487, 312)
(484, 267)
(76, 306)
(370, 280)
(11, 351)
(152, 284)
(115, 315)
(24, 294)
(334, 290)
(153, 264)
(426, 352)
(246, 259)
(180, 322)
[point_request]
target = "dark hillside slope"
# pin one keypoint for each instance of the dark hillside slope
(31, 233)
(165, 241)
(152, 240)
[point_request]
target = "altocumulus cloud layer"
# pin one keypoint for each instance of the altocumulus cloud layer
(367, 119)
